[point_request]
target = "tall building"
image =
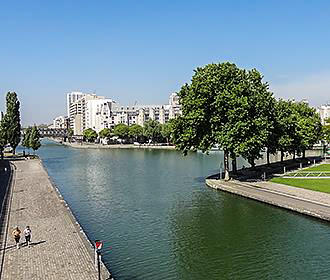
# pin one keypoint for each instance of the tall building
(72, 97)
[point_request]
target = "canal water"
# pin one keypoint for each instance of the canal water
(158, 220)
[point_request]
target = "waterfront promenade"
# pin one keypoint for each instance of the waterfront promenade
(59, 248)
(312, 203)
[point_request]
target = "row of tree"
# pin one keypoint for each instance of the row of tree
(234, 109)
(10, 125)
(152, 131)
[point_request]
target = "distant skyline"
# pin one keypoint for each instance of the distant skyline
(145, 50)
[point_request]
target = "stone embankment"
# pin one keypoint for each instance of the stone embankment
(59, 249)
(112, 146)
(312, 203)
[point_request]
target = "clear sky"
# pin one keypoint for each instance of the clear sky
(142, 50)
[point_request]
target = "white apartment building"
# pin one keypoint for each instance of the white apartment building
(324, 112)
(72, 97)
(60, 122)
(98, 112)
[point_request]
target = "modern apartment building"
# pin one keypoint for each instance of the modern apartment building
(72, 97)
(98, 112)
(324, 112)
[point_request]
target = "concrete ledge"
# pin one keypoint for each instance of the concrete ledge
(291, 202)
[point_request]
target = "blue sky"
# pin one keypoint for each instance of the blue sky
(144, 50)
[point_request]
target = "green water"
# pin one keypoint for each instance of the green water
(159, 221)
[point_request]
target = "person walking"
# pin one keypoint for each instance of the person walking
(27, 234)
(17, 236)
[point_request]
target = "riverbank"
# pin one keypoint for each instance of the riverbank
(308, 202)
(60, 248)
(112, 146)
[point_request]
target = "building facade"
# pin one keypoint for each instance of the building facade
(98, 112)
(61, 122)
(324, 112)
(72, 97)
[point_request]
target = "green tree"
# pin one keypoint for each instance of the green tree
(90, 135)
(285, 122)
(105, 133)
(121, 130)
(26, 138)
(12, 121)
(34, 138)
(308, 129)
(70, 134)
(167, 129)
(152, 130)
(326, 131)
(136, 132)
(226, 106)
(3, 138)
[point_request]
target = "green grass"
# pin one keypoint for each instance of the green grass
(322, 167)
(321, 185)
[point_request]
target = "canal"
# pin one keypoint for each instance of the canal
(159, 221)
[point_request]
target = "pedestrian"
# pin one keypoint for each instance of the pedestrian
(17, 236)
(27, 234)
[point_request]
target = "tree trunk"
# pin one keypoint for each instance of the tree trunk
(268, 157)
(234, 163)
(304, 153)
(294, 154)
(226, 164)
(282, 156)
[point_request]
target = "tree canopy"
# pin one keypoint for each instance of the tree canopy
(11, 123)
(121, 130)
(105, 133)
(226, 106)
(136, 132)
(34, 138)
(152, 130)
(90, 135)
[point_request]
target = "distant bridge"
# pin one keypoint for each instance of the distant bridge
(53, 132)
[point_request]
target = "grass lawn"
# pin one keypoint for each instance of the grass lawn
(322, 167)
(321, 185)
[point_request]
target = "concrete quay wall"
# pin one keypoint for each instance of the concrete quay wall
(303, 201)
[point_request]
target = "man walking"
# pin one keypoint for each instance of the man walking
(27, 234)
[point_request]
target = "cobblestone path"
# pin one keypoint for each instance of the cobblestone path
(58, 250)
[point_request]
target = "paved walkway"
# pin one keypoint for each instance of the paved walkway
(304, 201)
(59, 249)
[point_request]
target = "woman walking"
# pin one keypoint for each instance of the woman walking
(17, 236)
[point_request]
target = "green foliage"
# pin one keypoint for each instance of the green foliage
(226, 106)
(34, 138)
(11, 121)
(136, 132)
(167, 129)
(121, 130)
(326, 131)
(105, 133)
(90, 135)
(152, 131)
(3, 137)
(26, 137)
